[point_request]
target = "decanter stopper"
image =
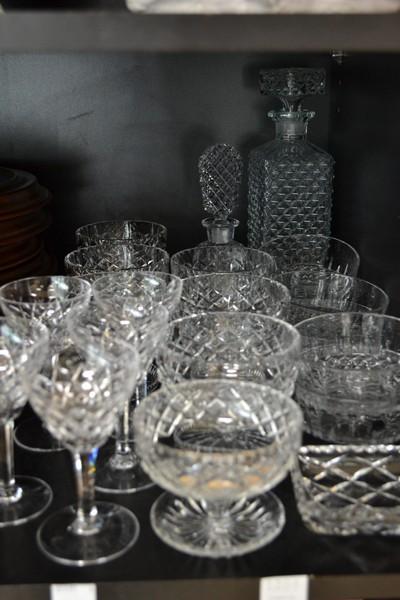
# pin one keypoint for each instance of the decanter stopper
(291, 85)
(220, 169)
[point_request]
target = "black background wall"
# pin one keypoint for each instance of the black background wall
(119, 136)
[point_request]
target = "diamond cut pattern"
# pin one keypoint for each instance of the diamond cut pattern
(92, 261)
(348, 489)
(234, 346)
(236, 292)
(290, 192)
(220, 168)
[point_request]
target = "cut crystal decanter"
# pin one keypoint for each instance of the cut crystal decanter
(220, 170)
(290, 180)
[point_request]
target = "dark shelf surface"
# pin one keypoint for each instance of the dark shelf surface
(295, 551)
(107, 30)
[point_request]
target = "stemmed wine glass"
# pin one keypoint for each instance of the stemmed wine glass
(79, 398)
(48, 299)
(23, 349)
(94, 261)
(139, 300)
(219, 446)
(138, 231)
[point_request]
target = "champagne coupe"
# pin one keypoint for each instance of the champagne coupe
(217, 446)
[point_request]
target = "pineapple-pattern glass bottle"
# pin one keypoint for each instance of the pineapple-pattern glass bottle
(220, 170)
(290, 180)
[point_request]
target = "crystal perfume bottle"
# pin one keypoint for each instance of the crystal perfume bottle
(290, 180)
(220, 170)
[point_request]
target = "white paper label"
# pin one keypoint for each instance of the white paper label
(292, 587)
(73, 591)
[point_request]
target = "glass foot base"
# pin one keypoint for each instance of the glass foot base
(119, 481)
(33, 436)
(246, 526)
(118, 531)
(34, 496)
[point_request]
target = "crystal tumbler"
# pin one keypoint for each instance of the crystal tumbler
(313, 251)
(140, 232)
(79, 401)
(349, 489)
(236, 292)
(321, 291)
(218, 445)
(349, 377)
(23, 349)
(222, 259)
(49, 299)
(231, 345)
(95, 261)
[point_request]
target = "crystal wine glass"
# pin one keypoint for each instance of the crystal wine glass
(23, 349)
(80, 399)
(231, 345)
(236, 292)
(321, 291)
(140, 232)
(139, 300)
(236, 440)
(47, 299)
(92, 262)
(222, 259)
(313, 251)
(349, 377)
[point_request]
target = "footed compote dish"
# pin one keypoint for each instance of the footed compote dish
(222, 259)
(217, 446)
(234, 292)
(140, 232)
(91, 262)
(231, 345)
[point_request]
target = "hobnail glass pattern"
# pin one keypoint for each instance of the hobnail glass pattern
(349, 490)
(349, 377)
(234, 292)
(222, 259)
(313, 252)
(245, 346)
(92, 262)
(47, 299)
(290, 191)
(220, 169)
(322, 291)
(248, 436)
(139, 232)
(290, 180)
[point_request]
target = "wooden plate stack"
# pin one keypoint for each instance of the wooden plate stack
(24, 219)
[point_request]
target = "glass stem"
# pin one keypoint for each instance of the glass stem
(86, 522)
(9, 492)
